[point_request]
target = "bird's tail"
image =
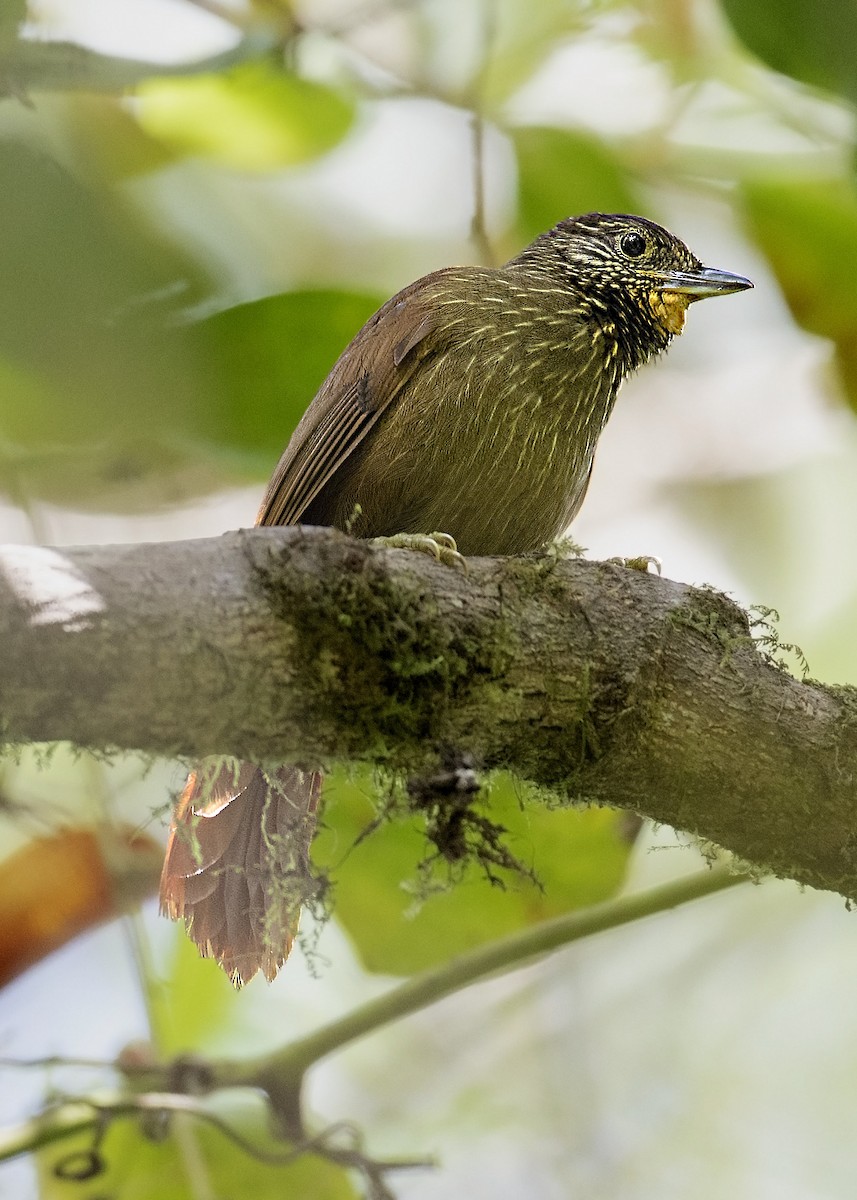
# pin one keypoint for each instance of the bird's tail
(237, 867)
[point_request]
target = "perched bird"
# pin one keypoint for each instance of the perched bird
(470, 403)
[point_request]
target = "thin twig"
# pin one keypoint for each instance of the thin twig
(478, 226)
(280, 1074)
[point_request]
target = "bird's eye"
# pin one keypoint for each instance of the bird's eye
(633, 244)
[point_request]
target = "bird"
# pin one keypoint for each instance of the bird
(463, 418)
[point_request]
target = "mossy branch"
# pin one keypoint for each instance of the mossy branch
(596, 682)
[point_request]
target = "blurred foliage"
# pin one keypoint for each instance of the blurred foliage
(808, 231)
(254, 118)
(104, 383)
(87, 371)
(814, 43)
(402, 919)
(268, 356)
(130, 377)
(561, 171)
(141, 1163)
(512, 40)
(109, 144)
(12, 14)
(192, 1006)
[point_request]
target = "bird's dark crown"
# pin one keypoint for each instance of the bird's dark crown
(613, 264)
(611, 250)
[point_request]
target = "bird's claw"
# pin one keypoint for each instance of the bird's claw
(642, 562)
(440, 546)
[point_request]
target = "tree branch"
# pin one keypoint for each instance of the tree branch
(602, 684)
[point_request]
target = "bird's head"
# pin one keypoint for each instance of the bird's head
(631, 274)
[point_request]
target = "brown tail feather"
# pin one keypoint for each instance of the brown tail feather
(237, 866)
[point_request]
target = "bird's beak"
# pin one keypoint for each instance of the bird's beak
(696, 285)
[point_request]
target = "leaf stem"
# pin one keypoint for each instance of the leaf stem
(281, 1072)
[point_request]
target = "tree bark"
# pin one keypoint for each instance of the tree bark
(598, 683)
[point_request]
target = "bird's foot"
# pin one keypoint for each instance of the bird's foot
(439, 545)
(647, 563)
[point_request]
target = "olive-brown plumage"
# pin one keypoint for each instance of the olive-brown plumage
(471, 403)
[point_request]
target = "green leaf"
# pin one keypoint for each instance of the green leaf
(194, 1159)
(13, 14)
(269, 357)
(812, 42)
(108, 139)
(562, 173)
(91, 392)
(579, 857)
(253, 118)
(808, 231)
(194, 1003)
(106, 398)
(197, 402)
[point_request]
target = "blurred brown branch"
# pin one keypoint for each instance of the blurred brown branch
(56, 887)
(599, 683)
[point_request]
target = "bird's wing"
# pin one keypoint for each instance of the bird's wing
(363, 383)
(578, 496)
